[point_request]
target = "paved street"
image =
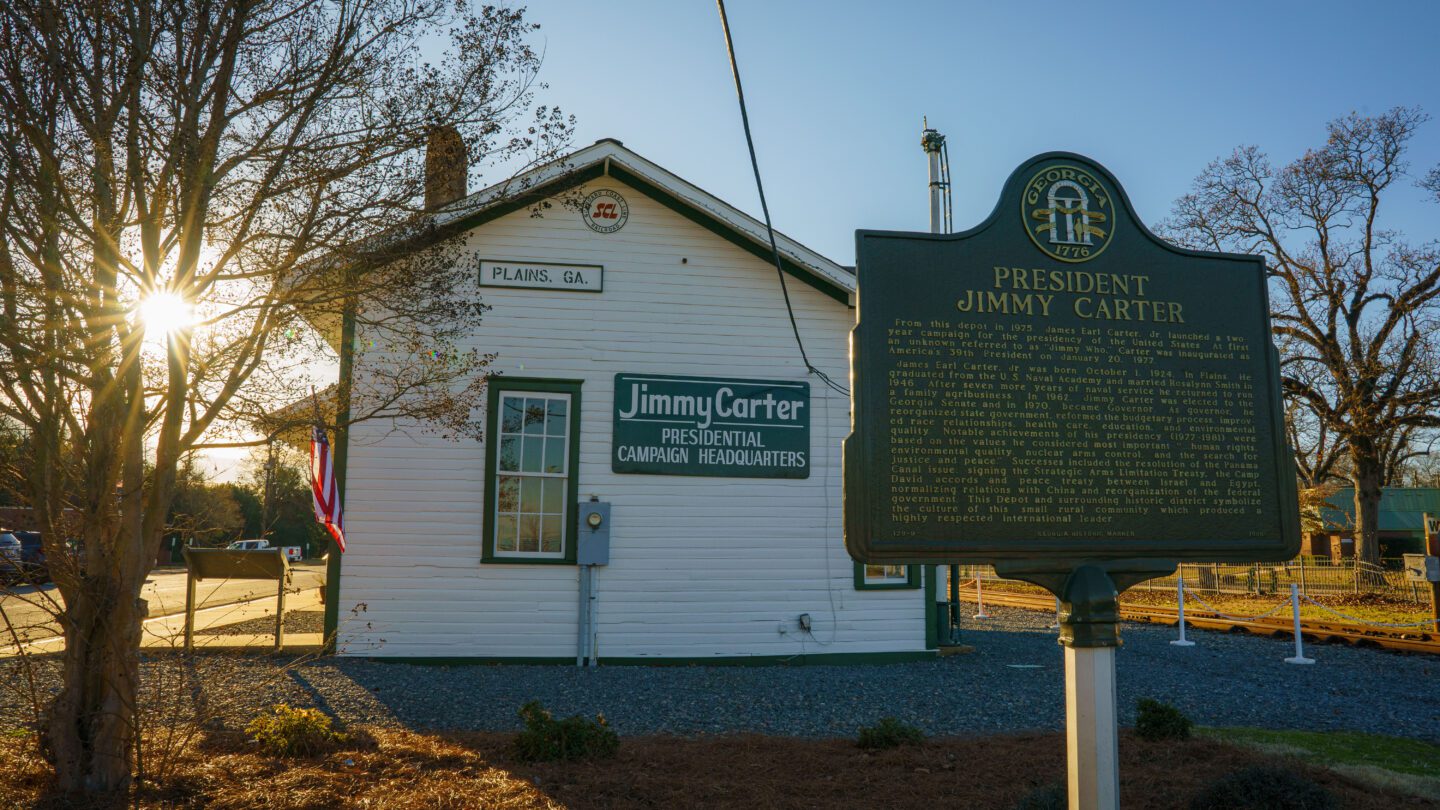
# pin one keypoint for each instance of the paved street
(28, 608)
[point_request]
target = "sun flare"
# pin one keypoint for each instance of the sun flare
(165, 312)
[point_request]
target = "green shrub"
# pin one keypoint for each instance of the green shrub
(546, 739)
(1048, 797)
(287, 732)
(1155, 720)
(889, 733)
(1264, 787)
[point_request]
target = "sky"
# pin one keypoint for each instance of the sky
(837, 90)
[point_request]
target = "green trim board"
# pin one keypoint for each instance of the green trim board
(801, 660)
(932, 609)
(416, 236)
(497, 385)
(724, 231)
(912, 580)
(341, 448)
(597, 171)
(425, 232)
(530, 197)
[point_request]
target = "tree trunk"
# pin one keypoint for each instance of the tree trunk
(92, 722)
(1367, 476)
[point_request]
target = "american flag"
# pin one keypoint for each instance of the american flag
(322, 487)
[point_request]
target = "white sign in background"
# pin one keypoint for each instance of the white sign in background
(542, 276)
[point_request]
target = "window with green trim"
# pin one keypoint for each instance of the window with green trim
(875, 577)
(531, 484)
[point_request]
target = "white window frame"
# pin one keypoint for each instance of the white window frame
(892, 577)
(888, 577)
(496, 441)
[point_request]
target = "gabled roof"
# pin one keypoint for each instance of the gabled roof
(604, 158)
(610, 158)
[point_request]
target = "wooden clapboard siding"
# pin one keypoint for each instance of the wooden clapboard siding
(699, 566)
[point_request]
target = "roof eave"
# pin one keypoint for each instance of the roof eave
(609, 158)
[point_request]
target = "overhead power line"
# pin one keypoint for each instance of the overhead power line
(765, 208)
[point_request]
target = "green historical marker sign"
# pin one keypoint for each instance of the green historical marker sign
(1060, 384)
(732, 428)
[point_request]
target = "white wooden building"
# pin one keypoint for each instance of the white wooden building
(467, 550)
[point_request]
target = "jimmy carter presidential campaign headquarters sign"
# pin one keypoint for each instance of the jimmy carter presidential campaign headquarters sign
(666, 425)
(1060, 383)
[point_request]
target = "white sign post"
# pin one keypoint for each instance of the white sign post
(1089, 618)
(1091, 735)
(926, 299)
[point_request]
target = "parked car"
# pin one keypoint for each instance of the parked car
(9, 557)
(292, 553)
(22, 557)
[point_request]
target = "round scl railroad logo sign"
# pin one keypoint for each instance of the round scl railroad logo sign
(1068, 212)
(605, 211)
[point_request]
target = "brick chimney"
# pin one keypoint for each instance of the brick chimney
(446, 167)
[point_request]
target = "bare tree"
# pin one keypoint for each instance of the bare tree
(201, 512)
(1319, 452)
(1355, 307)
(178, 182)
(1423, 471)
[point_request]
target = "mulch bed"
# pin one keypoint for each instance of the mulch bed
(397, 769)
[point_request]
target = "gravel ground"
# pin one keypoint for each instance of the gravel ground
(1012, 682)
(296, 621)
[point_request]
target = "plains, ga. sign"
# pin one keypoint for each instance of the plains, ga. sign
(542, 275)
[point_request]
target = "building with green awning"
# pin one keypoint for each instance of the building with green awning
(1402, 526)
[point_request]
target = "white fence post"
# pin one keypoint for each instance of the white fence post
(979, 598)
(1180, 600)
(1299, 644)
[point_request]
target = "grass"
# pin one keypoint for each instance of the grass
(1379, 614)
(1397, 754)
(1391, 763)
(1364, 606)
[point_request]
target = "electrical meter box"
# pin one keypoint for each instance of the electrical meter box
(594, 546)
(1422, 568)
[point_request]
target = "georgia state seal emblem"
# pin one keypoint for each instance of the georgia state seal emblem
(1068, 212)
